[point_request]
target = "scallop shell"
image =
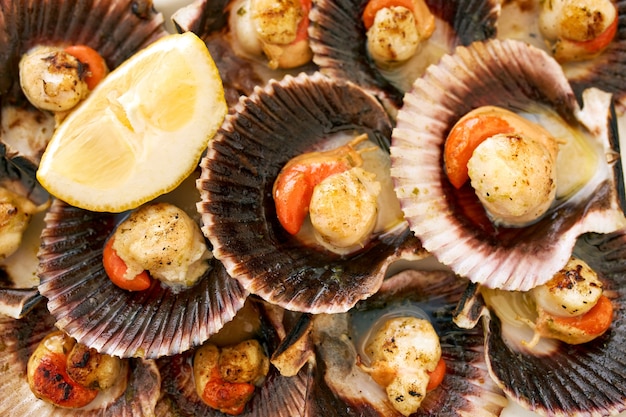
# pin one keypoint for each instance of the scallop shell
(339, 47)
(575, 380)
(517, 76)
(90, 308)
(18, 279)
(279, 396)
(605, 71)
(116, 29)
(466, 388)
(209, 20)
(266, 130)
(19, 338)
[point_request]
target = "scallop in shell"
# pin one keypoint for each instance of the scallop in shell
(277, 396)
(339, 46)
(22, 202)
(265, 130)
(211, 21)
(558, 382)
(89, 307)
(519, 20)
(115, 29)
(466, 388)
(450, 222)
(19, 339)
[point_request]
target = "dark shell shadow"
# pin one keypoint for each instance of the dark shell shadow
(605, 71)
(90, 308)
(19, 338)
(267, 129)
(339, 43)
(608, 71)
(576, 380)
(116, 29)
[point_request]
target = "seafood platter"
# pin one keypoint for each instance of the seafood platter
(289, 208)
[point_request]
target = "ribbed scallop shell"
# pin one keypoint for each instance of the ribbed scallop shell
(339, 46)
(116, 29)
(19, 338)
(517, 76)
(209, 20)
(576, 380)
(466, 389)
(90, 308)
(278, 396)
(266, 130)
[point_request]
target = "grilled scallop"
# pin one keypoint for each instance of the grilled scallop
(450, 220)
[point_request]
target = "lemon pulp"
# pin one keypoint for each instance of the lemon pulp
(141, 132)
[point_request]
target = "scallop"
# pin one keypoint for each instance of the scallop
(338, 40)
(213, 22)
(265, 130)
(89, 307)
(115, 29)
(23, 203)
(466, 388)
(278, 395)
(560, 377)
(19, 339)
(450, 222)
(519, 20)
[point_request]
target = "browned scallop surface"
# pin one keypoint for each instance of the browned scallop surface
(266, 130)
(89, 307)
(573, 380)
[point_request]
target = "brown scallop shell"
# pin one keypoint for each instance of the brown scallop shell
(18, 278)
(574, 380)
(466, 388)
(516, 76)
(90, 308)
(278, 396)
(19, 338)
(338, 39)
(116, 29)
(265, 130)
(608, 71)
(209, 20)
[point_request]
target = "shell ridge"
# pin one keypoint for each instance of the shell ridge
(80, 30)
(608, 392)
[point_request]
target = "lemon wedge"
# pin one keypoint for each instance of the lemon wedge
(141, 131)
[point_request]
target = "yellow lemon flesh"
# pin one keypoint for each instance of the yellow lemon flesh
(141, 131)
